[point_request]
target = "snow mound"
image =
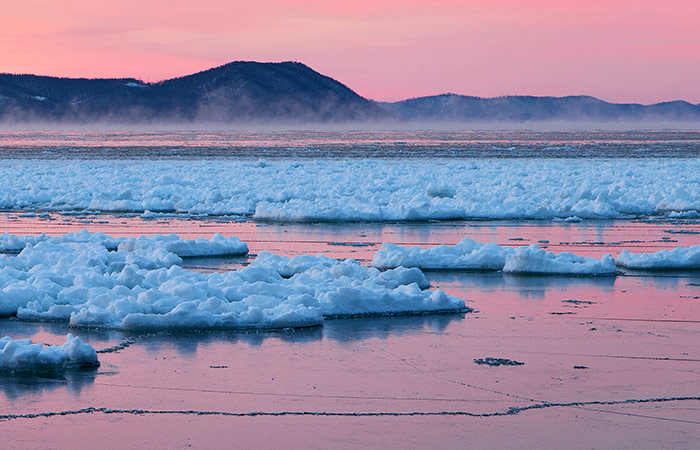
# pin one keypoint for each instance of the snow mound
(535, 260)
(86, 284)
(466, 255)
(360, 189)
(677, 258)
(25, 356)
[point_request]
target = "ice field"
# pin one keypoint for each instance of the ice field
(179, 296)
(360, 190)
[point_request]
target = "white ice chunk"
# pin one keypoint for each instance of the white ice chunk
(466, 255)
(86, 284)
(218, 245)
(535, 260)
(677, 258)
(25, 356)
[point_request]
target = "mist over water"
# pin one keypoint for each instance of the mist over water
(186, 144)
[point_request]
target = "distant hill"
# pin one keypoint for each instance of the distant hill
(235, 92)
(289, 93)
(525, 108)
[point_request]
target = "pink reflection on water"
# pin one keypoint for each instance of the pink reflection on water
(637, 336)
(361, 241)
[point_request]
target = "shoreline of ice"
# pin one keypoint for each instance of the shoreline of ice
(361, 190)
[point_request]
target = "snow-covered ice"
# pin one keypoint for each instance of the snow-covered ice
(87, 284)
(535, 260)
(218, 245)
(13, 243)
(466, 255)
(26, 356)
(361, 190)
(677, 258)
(471, 255)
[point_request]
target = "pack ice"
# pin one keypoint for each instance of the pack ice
(142, 287)
(360, 190)
(26, 356)
(471, 255)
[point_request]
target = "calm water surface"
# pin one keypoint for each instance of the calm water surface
(348, 144)
(636, 336)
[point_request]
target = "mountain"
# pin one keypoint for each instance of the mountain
(235, 92)
(289, 92)
(525, 108)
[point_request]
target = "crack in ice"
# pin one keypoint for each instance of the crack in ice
(508, 412)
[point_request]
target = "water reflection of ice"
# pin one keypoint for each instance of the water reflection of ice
(17, 386)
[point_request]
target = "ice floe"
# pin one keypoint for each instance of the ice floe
(217, 245)
(13, 243)
(466, 255)
(26, 356)
(144, 287)
(362, 189)
(471, 255)
(535, 260)
(677, 258)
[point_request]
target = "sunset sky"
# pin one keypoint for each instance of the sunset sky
(626, 51)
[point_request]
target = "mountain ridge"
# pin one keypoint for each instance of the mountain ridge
(524, 108)
(289, 92)
(237, 91)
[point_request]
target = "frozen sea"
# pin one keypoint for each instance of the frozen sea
(609, 362)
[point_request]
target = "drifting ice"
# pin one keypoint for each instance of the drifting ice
(218, 245)
(535, 260)
(360, 190)
(86, 284)
(677, 258)
(471, 255)
(25, 356)
(466, 255)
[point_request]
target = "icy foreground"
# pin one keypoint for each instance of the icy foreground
(677, 258)
(361, 190)
(25, 356)
(216, 246)
(87, 284)
(471, 255)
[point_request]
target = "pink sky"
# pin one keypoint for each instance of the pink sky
(627, 51)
